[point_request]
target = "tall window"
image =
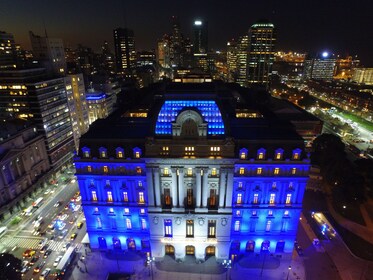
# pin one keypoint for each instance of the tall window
(189, 228)
(89, 168)
(242, 171)
(137, 154)
(213, 172)
(256, 198)
(166, 171)
(293, 170)
(239, 198)
(243, 155)
(272, 198)
(268, 225)
(128, 223)
(237, 225)
(94, 196)
(189, 197)
(276, 171)
(212, 202)
(138, 170)
(240, 185)
(141, 198)
(126, 211)
(168, 228)
(99, 223)
(288, 198)
(296, 156)
(238, 213)
(120, 154)
(125, 196)
(103, 154)
(278, 155)
(259, 170)
(211, 228)
(106, 170)
(261, 155)
(109, 196)
(286, 213)
(143, 224)
(270, 213)
(189, 171)
(86, 154)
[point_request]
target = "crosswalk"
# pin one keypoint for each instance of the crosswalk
(33, 243)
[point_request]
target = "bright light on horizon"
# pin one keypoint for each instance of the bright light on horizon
(325, 54)
(197, 22)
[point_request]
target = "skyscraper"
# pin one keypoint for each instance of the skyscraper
(262, 40)
(49, 52)
(242, 58)
(125, 54)
(200, 36)
(7, 51)
(321, 67)
(231, 60)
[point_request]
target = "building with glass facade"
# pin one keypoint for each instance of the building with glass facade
(125, 53)
(193, 169)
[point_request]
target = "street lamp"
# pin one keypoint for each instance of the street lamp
(264, 260)
(289, 268)
(150, 261)
(227, 264)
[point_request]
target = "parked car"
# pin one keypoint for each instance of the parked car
(34, 260)
(28, 253)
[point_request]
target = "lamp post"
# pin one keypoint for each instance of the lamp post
(264, 260)
(227, 264)
(289, 268)
(150, 261)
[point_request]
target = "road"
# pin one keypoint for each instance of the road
(24, 236)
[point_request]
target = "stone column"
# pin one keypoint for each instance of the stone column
(228, 201)
(181, 187)
(174, 187)
(149, 184)
(198, 187)
(157, 187)
(222, 185)
(205, 188)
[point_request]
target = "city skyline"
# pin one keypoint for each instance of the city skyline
(295, 22)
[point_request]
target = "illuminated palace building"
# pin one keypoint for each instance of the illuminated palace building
(193, 169)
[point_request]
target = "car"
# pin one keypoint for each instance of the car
(63, 234)
(66, 207)
(76, 208)
(79, 225)
(73, 236)
(72, 220)
(47, 253)
(79, 198)
(25, 263)
(57, 204)
(61, 226)
(57, 261)
(39, 267)
(24, 270)
(29, 253)
(44, 249)
(45, 273)
(299, 250)
(63, 217)
(47, 191)
(66, 246)
(43, 242)
(34, 260)
(51, 225)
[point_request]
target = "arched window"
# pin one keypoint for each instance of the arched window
(243, 153)
(261, 154)
(103, 152)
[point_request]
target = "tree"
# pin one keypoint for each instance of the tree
(326, 147)
(10, 267)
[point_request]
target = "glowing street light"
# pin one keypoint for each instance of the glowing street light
(289, 268)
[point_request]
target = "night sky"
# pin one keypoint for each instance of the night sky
(343, 27)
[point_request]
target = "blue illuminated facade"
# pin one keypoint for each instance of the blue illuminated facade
(189, 193)
(207, 108)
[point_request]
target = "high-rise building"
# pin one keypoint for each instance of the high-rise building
(242, 60)
(147, 185)
(262, 40)
(8, 55)
(232, 60)
(77, 103)
(100, 105)
(322, 67)
(107, 59)
(200, 44)
(30, 94)
(49, 52)
(125, 52)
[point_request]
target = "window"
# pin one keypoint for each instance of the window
(168, 228)
(142, 211)
(103, 154)
(242, 171)
(288, 198)
(189, 171)
(99, 223)
(86, 154)
(268, 226)
(211, 226)
(238, 213)
(189, 228)
(128, 223)
(119, 154)
(259, 170)
(95, 211)
(126, 211)
(276, 171)
(109, 196)
(125, 196)
(239, 198)
(256, 198)
(137, 152)
(141, 198)
(293, 170)
(138, 170)
(94, 196)
(213, 172)
(189, 197)
(240, 185)
(272, 198)
(296, 156)
(106, 170)
(189, 151)
(243, 153)
(166, 171)
(286, 213)
(107, 183)
(215, 149)
(89, 168)
(111, 210)
(237, 225)
(254, 213)
(143, 224)
(274, 185)
(139, 183)
(261, 155)
(278, 155)
(270, 213)
(165, 151)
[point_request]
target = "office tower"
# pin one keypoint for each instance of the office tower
(107, 58)
(321, 67)
(232, 58)
(242, 60)
(125, 53)
(363, 76)
(262, 40)
(49, 52)
(200, 36)
(77, 103)
(31, 94)
(8, 54)
(23, 159)
(147, 185)
(177, 44)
